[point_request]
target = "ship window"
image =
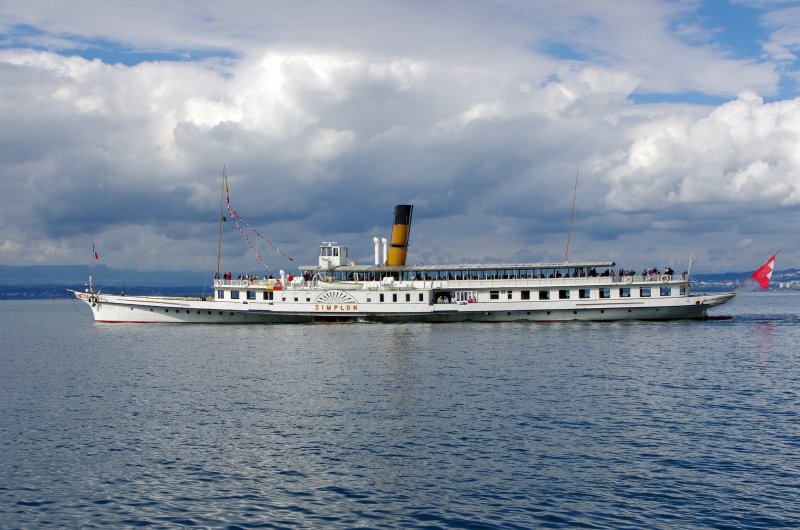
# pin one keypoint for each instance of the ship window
(234, 295)
(683, 290)
(525, 295)
(544, 295)
(564, 294)
(295, 299)
(666, 290)
(268, 295)
(421, 297)
(583, 293)
(369, 299)
(251, 295)
(220, 294)
(644, 292)
(509, 295)
(335, 251)
(494, 295)
(408, 297)
(624, 292)
(394, 297)
(605, 292)
(381, 297)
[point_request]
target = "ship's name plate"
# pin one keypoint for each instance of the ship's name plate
(335, 307)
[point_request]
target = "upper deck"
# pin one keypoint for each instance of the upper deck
(456, 272)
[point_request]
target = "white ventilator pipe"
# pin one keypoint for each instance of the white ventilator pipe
(376, 243)
(385, 249)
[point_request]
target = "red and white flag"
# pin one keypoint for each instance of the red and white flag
(764, 273)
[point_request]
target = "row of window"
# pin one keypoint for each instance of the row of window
(543, 294)
(270, 296)
(382, 297)
(188, 312)
(250, 295)
(603, 292)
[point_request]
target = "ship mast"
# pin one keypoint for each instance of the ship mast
(219, 237)
(571, 216)
(91, 278)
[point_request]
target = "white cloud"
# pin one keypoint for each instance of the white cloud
(741, 152)
(327, 116)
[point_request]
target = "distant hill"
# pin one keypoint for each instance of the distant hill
(730, 280)
(79, 274)
(52, 281)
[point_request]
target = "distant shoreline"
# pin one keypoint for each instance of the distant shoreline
(59, 292)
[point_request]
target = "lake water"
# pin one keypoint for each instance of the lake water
(569, 425)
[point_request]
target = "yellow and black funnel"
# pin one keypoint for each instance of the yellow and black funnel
(400, 233)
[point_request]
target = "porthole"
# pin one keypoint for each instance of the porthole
(574, 312)
(602, 311)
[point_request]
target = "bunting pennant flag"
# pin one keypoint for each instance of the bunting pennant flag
(764, 273)
(237, 219)
(250, 243)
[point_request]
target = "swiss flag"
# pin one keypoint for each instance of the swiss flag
(764, 274)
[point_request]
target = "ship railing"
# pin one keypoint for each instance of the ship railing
(401, 285)
(247, 283)
(651, 278)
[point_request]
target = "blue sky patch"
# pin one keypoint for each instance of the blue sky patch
(110, 52)
(693, 98)
(736, 28)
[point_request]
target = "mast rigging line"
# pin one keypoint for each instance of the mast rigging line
(571, 216)
(239, 221)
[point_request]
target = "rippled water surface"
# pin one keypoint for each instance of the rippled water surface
(612, 425)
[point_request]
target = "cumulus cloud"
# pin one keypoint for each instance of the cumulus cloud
(744, 151)
(327, 121)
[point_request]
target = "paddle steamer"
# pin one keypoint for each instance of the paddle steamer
(337, 290)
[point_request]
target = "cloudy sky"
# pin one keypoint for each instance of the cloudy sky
(681, 119)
